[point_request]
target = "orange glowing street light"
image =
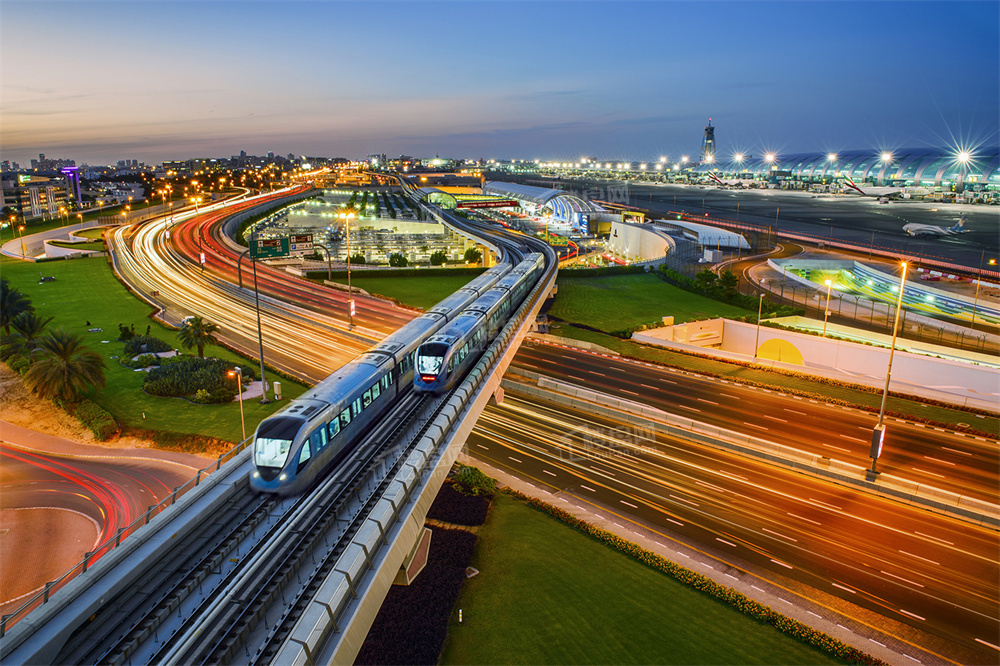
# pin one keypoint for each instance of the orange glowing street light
(878, 432)
(237, 372)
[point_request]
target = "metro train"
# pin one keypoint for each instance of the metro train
(299, 443)
(446, 356)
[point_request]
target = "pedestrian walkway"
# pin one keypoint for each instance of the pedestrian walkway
(865, 630)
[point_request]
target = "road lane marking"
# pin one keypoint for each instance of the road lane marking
(588, 488)
(964, 453)
(845, 628)
(876, 642)
(906, 612)
(681, 499)
(628, 504)
(905, 580)
(754, 425)
(920, 558)
(548, 472)
(693, 409)
(708, 401)
(774, 418)
(678, 523)
(709, 485)
(934, 537)
(995, 647)
(856, 439)
(945, 462)
(728, 543)
(940, 476)
(483, 447)
(756, 588)
(787, 566)
(846, 589)
(515, 459)
(815, 614)
(599, 374)
(731, 397)
(837, 448)
(827, 505)
(805, 519)
(909, 657)
(777, 534)
(786, 601)
(732, 576)
(602, 471)
(630, 392)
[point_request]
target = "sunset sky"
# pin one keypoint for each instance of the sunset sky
(155, 81)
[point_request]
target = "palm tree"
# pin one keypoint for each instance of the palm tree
(197, 332)
(12, 303)
(28, 328)
(63, 367)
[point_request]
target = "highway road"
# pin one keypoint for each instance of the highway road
(920, 569)
(950, 461)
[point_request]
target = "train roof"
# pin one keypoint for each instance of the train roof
(462, 325)
(359, 372)
(405, 338)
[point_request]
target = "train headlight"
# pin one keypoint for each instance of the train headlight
(282, 477)
(256, 474)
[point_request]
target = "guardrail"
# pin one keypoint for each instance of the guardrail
(44, 596)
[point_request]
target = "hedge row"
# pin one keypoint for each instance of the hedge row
(398, 272)
(96, 419)
(741, 602)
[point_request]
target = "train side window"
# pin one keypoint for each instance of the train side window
(367, 398)
(304, 456)
(356, 407)
(345, 418)
(334, 428)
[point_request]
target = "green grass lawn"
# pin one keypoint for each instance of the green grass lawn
(417, 292)
(617, 302)
(87, 290)
(89, 246)
(547, 594)
(95, 233)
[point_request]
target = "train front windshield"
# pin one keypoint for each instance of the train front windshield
(274, 441)
(430, 359)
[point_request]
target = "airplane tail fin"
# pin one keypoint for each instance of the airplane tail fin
(958, 225)
(850, 183)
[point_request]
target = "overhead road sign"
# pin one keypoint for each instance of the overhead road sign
(270, 248)
(490, 203)
(300, 244)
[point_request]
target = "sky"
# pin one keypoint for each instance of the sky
(102, 81)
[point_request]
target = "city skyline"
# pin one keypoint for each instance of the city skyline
(160, 81)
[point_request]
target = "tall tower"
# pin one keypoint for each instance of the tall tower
(708, 144)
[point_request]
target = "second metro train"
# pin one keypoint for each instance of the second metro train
(446, 356)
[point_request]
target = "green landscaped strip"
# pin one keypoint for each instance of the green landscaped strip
(417, 292)
(96, 246)
(618, 302)
(549, 594)
(87, 290)
(902, 407)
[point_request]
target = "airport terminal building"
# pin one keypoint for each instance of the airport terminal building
(946, 169)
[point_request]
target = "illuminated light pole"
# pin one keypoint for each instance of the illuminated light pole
(20, 234)
(878, 432)
(256, 298)
(350, 293)
(238, 372)
(979, 280)
(826, 313)
(760, 307)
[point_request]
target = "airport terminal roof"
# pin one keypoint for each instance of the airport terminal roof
(916, 166)
(539, 196)
(706, 235)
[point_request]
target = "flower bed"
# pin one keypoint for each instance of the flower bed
(411, 626)
(451, 506)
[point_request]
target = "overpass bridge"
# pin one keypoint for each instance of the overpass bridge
(223, 575)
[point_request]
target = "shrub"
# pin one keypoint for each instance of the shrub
(438, 258)
(145, 344)
(19, 364)
(471, 481)
(397, 260)
(142, 361)
(96, 419)
(204, 380)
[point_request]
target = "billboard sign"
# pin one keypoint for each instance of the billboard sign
(633, 216)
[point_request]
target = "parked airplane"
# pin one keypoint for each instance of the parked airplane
(735, 182)
(870, 191)
(915, 229)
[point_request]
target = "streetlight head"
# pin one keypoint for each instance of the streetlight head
(832, 157)
(828, 283)
(886, 156)
(964, 156)
(903, 264)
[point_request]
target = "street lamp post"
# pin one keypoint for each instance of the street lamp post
(979, 280)
(238, 371)
(878, 432)
(256, 298)
(20, 234)
(350, 293)
(760, 307)
(826, 312)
